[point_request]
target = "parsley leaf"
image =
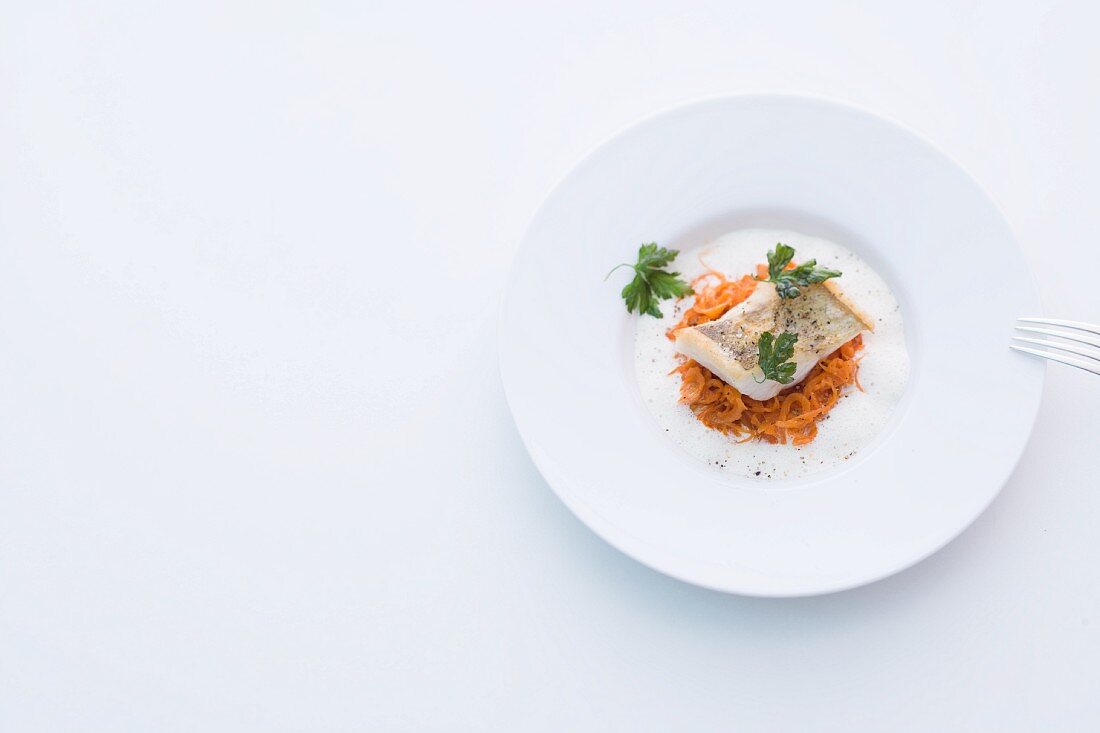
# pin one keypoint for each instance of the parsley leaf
(774, 353)
(651, 283)
(787, 282)
(778, 259)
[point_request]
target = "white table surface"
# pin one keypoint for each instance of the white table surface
(256, 468)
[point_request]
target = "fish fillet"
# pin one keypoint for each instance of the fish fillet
(822, 316)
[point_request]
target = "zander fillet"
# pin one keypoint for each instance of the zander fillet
(822, 317)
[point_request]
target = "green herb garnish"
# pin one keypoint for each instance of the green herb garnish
(774, 353)
(651, 283)
(788, 282)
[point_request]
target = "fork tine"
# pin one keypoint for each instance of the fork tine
(1088, 351)
(1060, 358)
(1079, 325)
(1079, 338)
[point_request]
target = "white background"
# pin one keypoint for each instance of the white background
(256, 468)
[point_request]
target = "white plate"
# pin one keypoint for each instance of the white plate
(787, 162)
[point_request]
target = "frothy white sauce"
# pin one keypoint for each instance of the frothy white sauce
(849, 426)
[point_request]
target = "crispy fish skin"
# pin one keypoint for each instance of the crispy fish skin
(822, 317)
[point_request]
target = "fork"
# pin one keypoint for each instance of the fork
(1074, 331)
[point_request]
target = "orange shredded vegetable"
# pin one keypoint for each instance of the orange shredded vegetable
(714, 298)
(793, 414)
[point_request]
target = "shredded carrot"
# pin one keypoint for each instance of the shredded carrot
(793, 414)
(714, 299)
